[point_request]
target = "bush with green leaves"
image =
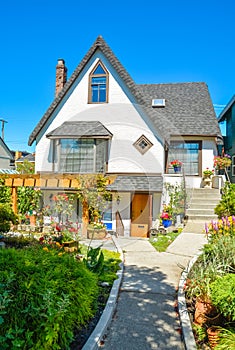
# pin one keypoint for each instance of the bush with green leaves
(44, 296)
(217, 259)
(226, 206)
(7, 217)
(223, 295)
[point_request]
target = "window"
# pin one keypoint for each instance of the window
(233, 165)
(188, 153)
(143, 144)
(98, 84)
(82, 155)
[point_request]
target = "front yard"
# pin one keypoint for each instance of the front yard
(48, 296)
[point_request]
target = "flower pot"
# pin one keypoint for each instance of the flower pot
(177, 169)
(95, 233)
(213, 336)
(70, 246)
(166, 223)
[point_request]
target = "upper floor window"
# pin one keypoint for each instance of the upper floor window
(98, 84)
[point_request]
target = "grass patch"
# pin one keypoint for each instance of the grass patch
(161, 242)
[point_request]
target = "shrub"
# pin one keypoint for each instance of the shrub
(223, 295)
(217, 259)
(7, 217)
(44, 295)
(226, 206)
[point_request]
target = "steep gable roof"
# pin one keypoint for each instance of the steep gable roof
(105, 49)
(188, 111)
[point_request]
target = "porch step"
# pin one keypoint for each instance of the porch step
(201, 209)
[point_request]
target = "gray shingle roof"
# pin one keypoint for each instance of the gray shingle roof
(80, 129)
(188, 110)
(126, 183)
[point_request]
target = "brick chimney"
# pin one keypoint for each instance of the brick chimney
(61, 76)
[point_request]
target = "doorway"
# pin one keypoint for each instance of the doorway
(140, 215)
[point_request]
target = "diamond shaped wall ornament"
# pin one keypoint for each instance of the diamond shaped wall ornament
(143, 144)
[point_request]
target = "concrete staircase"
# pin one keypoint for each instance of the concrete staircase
(201, 209)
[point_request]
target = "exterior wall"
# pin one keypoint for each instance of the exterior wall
(209, 150)
(121, 118)
(4, 158)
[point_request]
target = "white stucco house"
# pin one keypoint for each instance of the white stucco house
(101, 121)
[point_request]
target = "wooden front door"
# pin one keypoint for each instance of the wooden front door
(140, 215)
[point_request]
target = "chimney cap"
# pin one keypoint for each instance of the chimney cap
(61, 61)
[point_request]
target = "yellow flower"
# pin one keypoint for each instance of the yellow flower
(46, 249)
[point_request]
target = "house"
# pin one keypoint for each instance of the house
(101, 121)
(228, 115)
(24, 158)
(5, 157)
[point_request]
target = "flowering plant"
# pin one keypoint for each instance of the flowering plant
(166, 213)
(208, 172)
(222, 162)
(176, 163)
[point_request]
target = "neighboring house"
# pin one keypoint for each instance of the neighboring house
(102, 122)
(228, 116)
(21, 157)
(5, 157)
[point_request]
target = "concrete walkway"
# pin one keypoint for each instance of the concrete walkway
(146, 317)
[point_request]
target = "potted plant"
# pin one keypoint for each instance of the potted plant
(208, 173)
(177, 165)
(96, 230)
(166, 216)
(221, 163)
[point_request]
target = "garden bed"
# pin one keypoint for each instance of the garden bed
(209, 288)
(38, 280)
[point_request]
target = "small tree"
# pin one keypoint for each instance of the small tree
(28, 197)
(93, 193)
(25, 167)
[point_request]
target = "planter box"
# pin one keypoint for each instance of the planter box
(70, 246)
(95, 233)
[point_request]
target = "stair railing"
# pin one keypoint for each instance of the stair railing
(119, 225)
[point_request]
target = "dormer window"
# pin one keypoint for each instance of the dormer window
(98, 84)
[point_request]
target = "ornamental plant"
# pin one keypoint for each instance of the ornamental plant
(166, 212)
(176, 163)
(222, 162)
(226, 206)
(208, 172)
(223, 227)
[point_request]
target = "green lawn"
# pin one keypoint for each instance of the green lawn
(161, 242)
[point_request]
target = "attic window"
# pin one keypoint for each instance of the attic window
(143, 144)
(98, 84)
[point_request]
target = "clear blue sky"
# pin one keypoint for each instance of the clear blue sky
(156, 41)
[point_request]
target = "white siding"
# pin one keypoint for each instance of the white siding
(119, 116)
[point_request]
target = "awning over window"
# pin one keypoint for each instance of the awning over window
(79, 129)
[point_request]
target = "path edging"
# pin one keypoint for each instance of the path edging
(187, 332)
(98, 333)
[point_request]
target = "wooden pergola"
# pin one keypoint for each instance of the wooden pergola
(44, 181)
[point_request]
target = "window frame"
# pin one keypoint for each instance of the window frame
(199, 143)
(63, 168)
(92, 75)
(233, 165)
